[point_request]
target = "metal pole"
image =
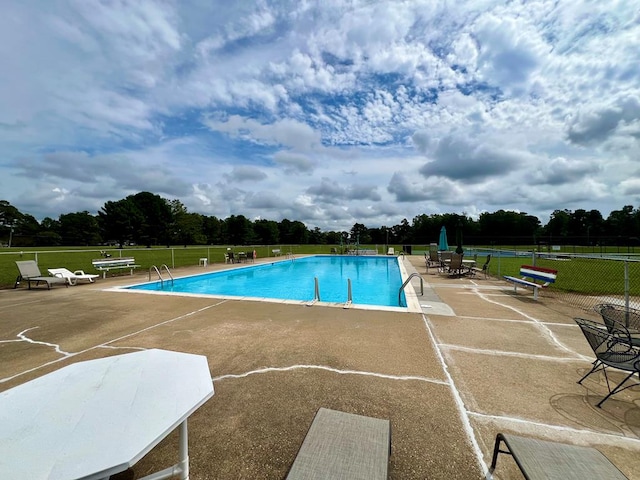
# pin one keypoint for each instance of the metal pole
(626, 291)
(184, 451)
(317, 289)
(349, 295)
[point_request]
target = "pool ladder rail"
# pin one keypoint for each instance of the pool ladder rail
(163, 266)
(316, 293)
(406, 282)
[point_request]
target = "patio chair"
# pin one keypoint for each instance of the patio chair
(432, 260)
(620, 321)
(545, 460)
(30, 272)
(445, 258)
(629, 317)
(611, 350)
(455, 266)
(485, 267)
(72, 277)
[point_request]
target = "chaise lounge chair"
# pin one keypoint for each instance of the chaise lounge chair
(341, 445)
(30, 272)
(543, 459)
(72, 277)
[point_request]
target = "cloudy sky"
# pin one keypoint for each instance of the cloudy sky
(330, 112)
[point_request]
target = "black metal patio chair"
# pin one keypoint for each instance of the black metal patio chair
(611, 350)
(627, 316)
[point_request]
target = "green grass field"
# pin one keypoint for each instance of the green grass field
(80, 258)
(579, 275)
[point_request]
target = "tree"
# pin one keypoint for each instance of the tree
(557, 229)
(80, 228)
(621, 224)
(156, 218)
(293, 232)
(317, 237)
(402, 232)
(239, 230)
(213, 231)
(359, 234)
(119, 220)
(266, 232)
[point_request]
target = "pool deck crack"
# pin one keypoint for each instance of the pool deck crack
(329, 369)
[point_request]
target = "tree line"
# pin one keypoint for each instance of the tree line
(148, 219)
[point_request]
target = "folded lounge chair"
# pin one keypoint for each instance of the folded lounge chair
(30, 272)
(544, 460)
(343, 445)
(72, 277)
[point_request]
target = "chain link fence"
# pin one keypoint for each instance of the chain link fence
(583, 280)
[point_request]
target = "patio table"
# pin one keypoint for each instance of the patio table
(96, 418)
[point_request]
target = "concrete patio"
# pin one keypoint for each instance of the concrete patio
(477, 360)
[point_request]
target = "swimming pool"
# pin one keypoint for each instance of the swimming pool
(375, 280)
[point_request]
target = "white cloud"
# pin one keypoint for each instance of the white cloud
(355, 109)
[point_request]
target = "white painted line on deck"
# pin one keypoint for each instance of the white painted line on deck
(542, 327)
(464, 417)
(328, 369)
(503, 353)
(511, 320)
(615, 439)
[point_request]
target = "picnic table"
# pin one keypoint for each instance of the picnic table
(96, 418)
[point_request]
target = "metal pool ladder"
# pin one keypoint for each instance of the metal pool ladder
(406, 282)
(164, 265)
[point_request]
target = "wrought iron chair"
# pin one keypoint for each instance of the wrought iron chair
(618, 314)
(485, 267)
(611, 350)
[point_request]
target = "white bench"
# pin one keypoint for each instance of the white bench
(343, 445)
(105, 264)
(276, 252)
(546, 275)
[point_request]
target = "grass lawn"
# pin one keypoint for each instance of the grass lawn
(580, 275)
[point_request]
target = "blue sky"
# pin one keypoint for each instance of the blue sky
(329, 112)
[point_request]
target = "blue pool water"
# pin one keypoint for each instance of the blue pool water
(374, 280)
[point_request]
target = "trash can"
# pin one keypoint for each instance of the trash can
(406, 249)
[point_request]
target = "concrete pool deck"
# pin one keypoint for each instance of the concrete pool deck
(477, 360)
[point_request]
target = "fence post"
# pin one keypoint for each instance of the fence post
(173, 260)
(626, 287)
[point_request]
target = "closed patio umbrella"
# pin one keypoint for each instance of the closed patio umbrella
(443, 245)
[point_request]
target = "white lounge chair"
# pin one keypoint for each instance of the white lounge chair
(391, 251)
(72, 277)
(30, 272)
